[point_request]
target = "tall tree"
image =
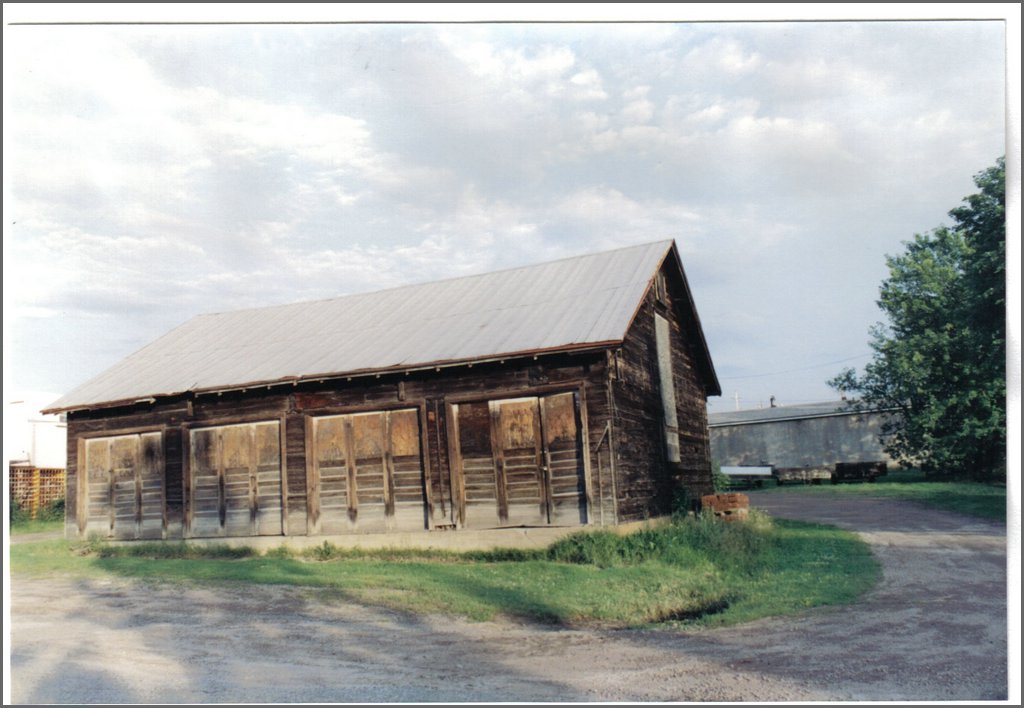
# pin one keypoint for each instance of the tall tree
(940, 358)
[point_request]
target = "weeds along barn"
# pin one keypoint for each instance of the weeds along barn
(562, 394)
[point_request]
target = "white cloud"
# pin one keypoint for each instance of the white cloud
(721, 57)
(588, 85)
(524, 74)
(605, 211)
(639, 111)
(154, 173)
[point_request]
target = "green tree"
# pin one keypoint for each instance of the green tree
(940, 358)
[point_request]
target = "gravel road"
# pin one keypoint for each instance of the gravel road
(935, 629)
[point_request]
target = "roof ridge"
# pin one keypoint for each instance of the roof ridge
(482, 274)
(564, 304)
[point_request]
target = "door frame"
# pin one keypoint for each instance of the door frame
(189, 470)
(455, 467)
(313, 511)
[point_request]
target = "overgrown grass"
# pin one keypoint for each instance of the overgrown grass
(48, 518)
(695, 571)
(20, 528)
(987, 501)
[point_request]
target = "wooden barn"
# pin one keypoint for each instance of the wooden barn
(562, 394)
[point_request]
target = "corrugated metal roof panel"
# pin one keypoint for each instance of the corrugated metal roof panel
(575, 302)
(780, 413)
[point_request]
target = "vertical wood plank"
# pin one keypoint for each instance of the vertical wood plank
(82, 485)
(254, 500)
(137, 469)
(187, 481)
(613, 466)
(222, 501)
(540, 435)
(455, 466)
(584, 427)
(350, 462)
(498, 455)
(283, 467)
(667, 386)
(428, 482)
(388, 465)
(111, 485)
(161, 463)
(600, 485)
(312, 479)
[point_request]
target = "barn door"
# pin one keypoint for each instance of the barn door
(235, 481)
(476, 477)
(124, 486)
(368, 472)
(520, 462)
(564, 460)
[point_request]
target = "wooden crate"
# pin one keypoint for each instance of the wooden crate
(730, 506)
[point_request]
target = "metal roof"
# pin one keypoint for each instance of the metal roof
(782, 413)
(574, 303)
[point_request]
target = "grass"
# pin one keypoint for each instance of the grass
(20, 528)
(985, 501)
(48, 518)
(695, 572)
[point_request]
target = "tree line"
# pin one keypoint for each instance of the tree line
(939, 358)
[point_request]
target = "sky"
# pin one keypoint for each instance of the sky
(156, 172)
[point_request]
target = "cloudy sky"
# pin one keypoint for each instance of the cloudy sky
(156, 172)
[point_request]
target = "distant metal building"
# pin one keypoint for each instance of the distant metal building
(805, 442)
(562, 394)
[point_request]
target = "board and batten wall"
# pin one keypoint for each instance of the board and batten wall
(352, 455)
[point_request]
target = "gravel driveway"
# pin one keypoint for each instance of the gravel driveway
(935, 629)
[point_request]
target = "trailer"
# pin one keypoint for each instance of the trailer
(803, 475)
(746, 476)
(859, 471)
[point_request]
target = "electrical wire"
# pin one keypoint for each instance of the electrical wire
(790, 371)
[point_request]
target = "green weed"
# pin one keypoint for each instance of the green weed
(697, 570)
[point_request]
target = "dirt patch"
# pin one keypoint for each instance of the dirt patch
(935, 629)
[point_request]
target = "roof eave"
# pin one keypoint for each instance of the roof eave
(333, 376)
(711, 385)
(839, 412)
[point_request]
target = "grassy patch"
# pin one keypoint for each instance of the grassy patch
(48, 518)
(695, 571)
(986, 501)
(20, 528)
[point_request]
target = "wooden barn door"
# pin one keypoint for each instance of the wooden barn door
(367, 473)
(519, 462)
(564, 460)
(123, 488)
(475, 484)
(234, 481)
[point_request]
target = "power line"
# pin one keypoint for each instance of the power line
(790, 371)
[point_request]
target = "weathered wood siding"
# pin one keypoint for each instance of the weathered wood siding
(521, 461)
(234, 483)
(419, 457)
(553, 439)
(121, 486)
(366, 472)
(647, 482)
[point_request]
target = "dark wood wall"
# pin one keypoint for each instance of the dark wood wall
(648, 483)
(428, 392)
